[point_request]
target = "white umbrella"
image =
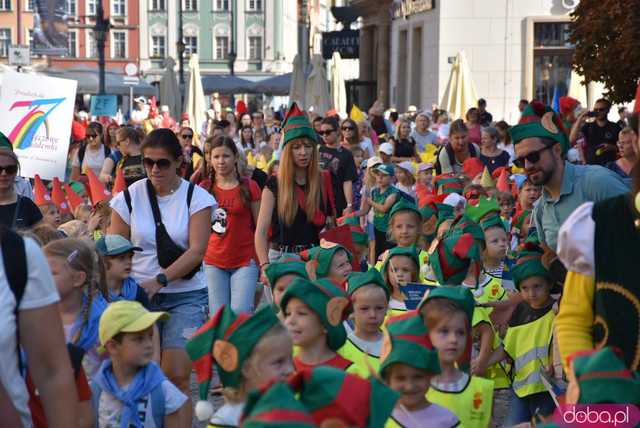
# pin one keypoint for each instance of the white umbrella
(298, 82)
(317, 90)
(338, 90)
(577, 90)
(169, 91)
(194, 103)
(460, 94)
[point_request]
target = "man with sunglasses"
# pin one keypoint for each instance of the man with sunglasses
(339, 161)
(600, 136)
(541, 146)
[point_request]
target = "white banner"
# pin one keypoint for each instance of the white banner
(35, 114)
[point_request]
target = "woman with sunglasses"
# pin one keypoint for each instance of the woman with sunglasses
(91, 154)
(404, 146)
(191, 154)
(349, 134)
(16, 211)
(180, 288)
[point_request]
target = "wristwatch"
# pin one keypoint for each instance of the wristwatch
(162, 279)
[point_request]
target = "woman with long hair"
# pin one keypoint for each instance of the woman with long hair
(230, 266)
(91, 154)
(191, 154)
(292, 202)
(170, 270)
(490, 154)
(349, 134)
(404, 146)
(245, 139)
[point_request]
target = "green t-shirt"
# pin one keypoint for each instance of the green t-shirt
(380, 219)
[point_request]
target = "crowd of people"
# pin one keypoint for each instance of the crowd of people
(390, 270)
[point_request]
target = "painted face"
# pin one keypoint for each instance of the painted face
(535, 291)
(450, 337)
(303, 324)
(411, 383)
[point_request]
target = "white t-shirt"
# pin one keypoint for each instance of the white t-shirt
(40, 291)
(228, 415)
(367, 145)
(110, 408)
(92, 159)
(433, 415)
(173, 209)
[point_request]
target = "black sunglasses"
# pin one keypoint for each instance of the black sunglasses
(162, 163)
(91, 136)
(532, 157)
(9, 169)
(328, 132)
(187, 136)
(348, 128)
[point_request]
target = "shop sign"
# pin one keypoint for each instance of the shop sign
(346, 42)
(406, 8)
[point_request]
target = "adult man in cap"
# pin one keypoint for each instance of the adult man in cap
(140, 112)
(540, 148)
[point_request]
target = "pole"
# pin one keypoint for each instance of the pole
(181, 49)
(100, 30)
(130, 99)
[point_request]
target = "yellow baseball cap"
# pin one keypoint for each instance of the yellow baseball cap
(126, 316)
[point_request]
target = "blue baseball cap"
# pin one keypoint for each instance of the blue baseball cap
(385, 168)
(114, 245)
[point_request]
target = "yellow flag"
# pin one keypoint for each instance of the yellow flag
(356, 114)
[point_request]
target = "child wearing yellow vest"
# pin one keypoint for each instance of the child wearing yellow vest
(447, 312)
(409, 364)
(528, 342)
(370, 298)
(400, 267)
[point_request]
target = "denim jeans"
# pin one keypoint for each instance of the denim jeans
(234, 287)
(523, 409)
(188, 311)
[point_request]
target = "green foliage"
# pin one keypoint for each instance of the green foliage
(606, 34)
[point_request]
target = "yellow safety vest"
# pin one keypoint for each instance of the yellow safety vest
(529, 346)
(472, 405)
(490, 291)
(364, 363)
(498, 372)
(392, 423)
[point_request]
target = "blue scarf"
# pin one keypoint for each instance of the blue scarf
(88, 338)
(145, 381)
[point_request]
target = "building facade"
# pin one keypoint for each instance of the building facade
(515, 49)
(16, 24)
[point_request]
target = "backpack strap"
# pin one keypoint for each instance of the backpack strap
(190, 194)
(15, 268)
(158, 407)
(127, 199)
(153, 201)
(107, 151)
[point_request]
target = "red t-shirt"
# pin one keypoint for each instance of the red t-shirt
(231, 244)
(337, 362)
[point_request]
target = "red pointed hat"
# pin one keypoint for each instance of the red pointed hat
(120, 184)
(41, 196)
(98, 192)
(74, 199)
(58, 196)
(296, 125)
(503, 182)
(636, 103)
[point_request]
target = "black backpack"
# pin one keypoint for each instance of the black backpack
(14, 258)
(452, 156)
(83, 149)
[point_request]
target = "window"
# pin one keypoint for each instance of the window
(119, 42)
(31, 45)
(190, 45)
(255, 48)
(5, 42)
(190, 5)
(119, 7)
(552, 52)
(72, 40)
(222, 47)
(30, 5)
(158, 46)
(222, 5)
(91, 7)
(92, 49)
(72, 7)
(5, 5)
(255, 5)
(158, 5)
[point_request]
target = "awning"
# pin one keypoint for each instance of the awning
(88, 81)
(276, 85)
(226, 84)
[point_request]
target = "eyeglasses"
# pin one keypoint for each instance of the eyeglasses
(348, 128)
(187, 136)
(327, 132)
(162, 163)
(9, 169)
(532, 157)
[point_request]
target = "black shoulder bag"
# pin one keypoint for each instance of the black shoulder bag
(167, 250)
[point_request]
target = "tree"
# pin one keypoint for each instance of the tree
(606, 34)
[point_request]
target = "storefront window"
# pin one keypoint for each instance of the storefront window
(551, 61)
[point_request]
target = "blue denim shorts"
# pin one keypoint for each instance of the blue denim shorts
(188, 311)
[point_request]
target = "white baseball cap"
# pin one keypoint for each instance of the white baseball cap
(406, 165)
(425, 166)
(372, 161)
(386, 148)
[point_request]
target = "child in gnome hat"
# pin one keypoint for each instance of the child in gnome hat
(275, 405)
(447, 312)
(48, 209)
(528, 342)
(370, 298)
(247, 350)
(400, 267)
(409, 363)
(314, 312)
(280, 274)
(328, 260)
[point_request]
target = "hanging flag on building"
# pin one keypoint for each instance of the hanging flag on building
(50, 28)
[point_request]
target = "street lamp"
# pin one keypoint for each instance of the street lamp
(100, 32)
(181, 48)
(232, 60)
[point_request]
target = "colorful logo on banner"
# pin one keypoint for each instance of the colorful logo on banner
(23, 133)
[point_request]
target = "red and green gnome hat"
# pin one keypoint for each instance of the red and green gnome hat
(358, 280)
(322, 256)
(602, 377)
(462, 296)
(453, 257)
(296, 125)
(287, 264)
(407, 342)
(275, 406)
(328, 301)
(410, 252)
(332, 395)
(358, 235)
(403, 205)
(227, 340)
(447, 183)
(481, 209)
(539, 120)
(528, 264)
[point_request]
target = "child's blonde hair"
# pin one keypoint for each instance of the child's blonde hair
(74, 229)
(46, 233)
(82, 212)
(415, 276)
(438, 309)
(80, 256)
(102, 211)
(418, 219)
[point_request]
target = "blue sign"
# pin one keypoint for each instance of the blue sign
(104, 105)
(413, 293)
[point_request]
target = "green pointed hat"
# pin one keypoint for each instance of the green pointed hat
(404, 205)
(462, 296)
(464, 225)
(603, 377)
(447, 183)
(275, 406)
(539, 120)
(483, 207)
(428, 211)
(287, 264)
(518, 223)
(359, 236)
(528, 264)
(296, 125)
(350, 220)
(323, 255)
(227, 340)
(445, 212)
(410, 252)
(493, 220)
(332, 394)
(5, 143)
(453, 257)
(328, 301)
(408, 343)
(358, 280)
